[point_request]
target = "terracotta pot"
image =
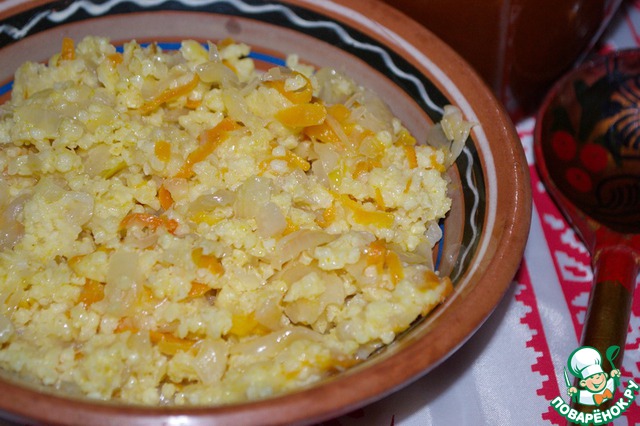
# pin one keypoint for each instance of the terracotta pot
(519, 47)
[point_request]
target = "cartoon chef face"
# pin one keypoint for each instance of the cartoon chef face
(585, 363)
(595, 383)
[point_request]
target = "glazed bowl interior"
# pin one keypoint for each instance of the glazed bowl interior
(417, 75)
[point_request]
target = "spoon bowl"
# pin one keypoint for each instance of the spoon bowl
(587, 149)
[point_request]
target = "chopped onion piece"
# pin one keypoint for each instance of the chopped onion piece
(11, 230)
(210, 361)
(252, 195)
(217, 73)
(273, 343)
(270, 220)
(291, 245)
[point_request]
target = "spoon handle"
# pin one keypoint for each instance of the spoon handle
(615, 271)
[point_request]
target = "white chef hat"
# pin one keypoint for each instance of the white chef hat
(584, 362)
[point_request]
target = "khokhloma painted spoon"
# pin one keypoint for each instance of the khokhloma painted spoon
(587, 150)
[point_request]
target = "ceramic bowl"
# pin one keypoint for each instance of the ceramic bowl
(417, 75)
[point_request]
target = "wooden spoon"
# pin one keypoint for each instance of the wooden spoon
(587, 148)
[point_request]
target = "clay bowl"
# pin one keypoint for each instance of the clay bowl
(416, 74)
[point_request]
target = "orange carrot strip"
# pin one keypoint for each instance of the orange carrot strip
(125, 324)
(300, 96)
(244, 325)
(229, 65)
(227, 41)
(162, 150)
(165, 198)
(197, 290)
(365, 166)
(169, 95)
(434, 161)
(376, 254)
(328, 216)
(115, 58)
(209, 141)
(405, 138)
(169, 344)
(150, 221)
(324, 132)
(92, 291)
(297, 161)
(193, 103)
(302, 115)
(396, 271)
(68, 51)
(207, 261)
(366, 217)
(410, 153)
(379, 199)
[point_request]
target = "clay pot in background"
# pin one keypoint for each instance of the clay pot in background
(519, 47)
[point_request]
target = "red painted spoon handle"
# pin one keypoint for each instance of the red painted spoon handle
(615, 272)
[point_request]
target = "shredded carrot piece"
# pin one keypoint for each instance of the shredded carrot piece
(324, 132)
(328, 216)
(379, 199)
(365, 166)
(193, 103)
(407, 187)
(149, 221)
(439, 167)
(125, 324)
(162, 150)
(197, 290)
(292, 159)
(73, 261)
(396, 271)
(207, 261)
(410, 153)
(68, 51)
(209, 141)
(405, 138)
(340, 112)
(302, 115)
(431, 282)
(300, 96)
(225, 42)
(291, 227)
(230, 66)
(208, 218)
(115, 58)
(169, 95)
(92, 291)
(297, 161)
(244, 325)
(365, 217)
(165, 198)
(169, 344)
(376, 254)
